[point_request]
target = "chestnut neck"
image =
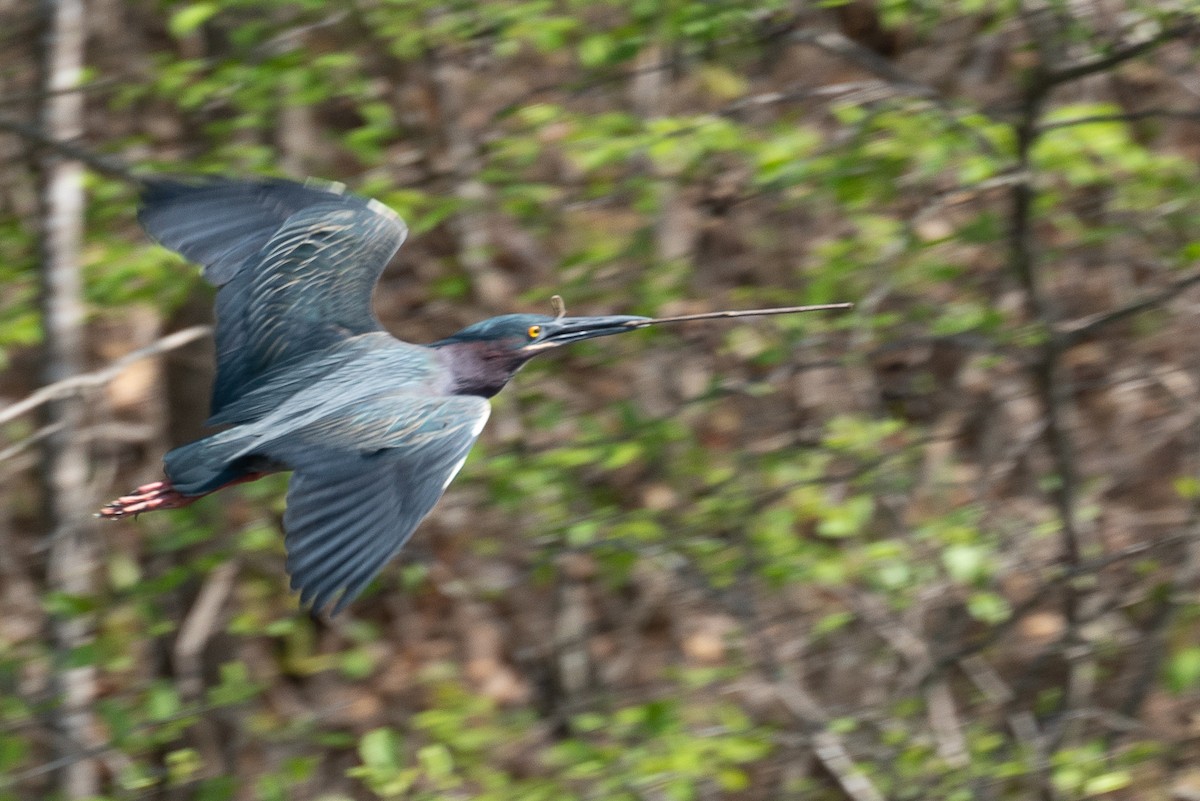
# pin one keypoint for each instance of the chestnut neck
(478, 367)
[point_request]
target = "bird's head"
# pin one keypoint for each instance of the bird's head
(526, 335)
(484, 356)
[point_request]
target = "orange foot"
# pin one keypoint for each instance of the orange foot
(146, 498)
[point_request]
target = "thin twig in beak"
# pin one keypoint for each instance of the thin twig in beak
(743, 313)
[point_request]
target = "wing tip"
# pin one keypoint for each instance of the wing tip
(157, 190)
(378, 207)
(317, 600)
(325, 185)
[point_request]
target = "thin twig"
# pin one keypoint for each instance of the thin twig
(105, 165)
(102, 84)
(683, 318)
(198, 627)
(1164, 614)
(1128, 116)
(827, 746)
(73, 385)
(1079, 330)
(869, 60)
(1022, 262)
(944, 720)
(17, 448)
(1092, 65)
(880, 67)
(1040, 595)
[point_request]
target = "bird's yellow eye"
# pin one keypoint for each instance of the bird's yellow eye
(535, 331)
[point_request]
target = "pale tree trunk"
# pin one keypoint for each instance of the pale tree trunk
(650, 90)
(451, 97)
(71, 557)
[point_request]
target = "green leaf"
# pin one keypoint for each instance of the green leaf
(380, 748)
(732, 779)
(437, 760)
(966, 564)
(894, 575)
(182, 764)
(847, 519)
(235, 687)
(1107, 782)
(594, 50)
(723, 82)
(63, 604)
(832, 622)
(162, 702)
(83, 655)
(123, 571)
(1187, 487)
(189, 18)
(1183, 670)
(358, 663)
(988, 607)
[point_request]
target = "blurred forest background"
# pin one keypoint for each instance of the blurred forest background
(945, 546)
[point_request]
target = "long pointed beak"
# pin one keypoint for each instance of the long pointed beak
(577, 329)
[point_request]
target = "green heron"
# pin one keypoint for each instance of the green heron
(374, 429)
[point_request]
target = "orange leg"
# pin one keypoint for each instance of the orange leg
(158, 495)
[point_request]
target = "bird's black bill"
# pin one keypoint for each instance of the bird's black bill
(575, 329)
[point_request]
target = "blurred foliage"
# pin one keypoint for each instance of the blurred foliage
(873, 559)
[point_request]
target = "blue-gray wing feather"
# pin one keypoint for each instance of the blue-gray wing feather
(342, 374)
(221, 223)
(363, 481)
(295, 263)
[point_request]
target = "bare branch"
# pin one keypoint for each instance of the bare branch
(828, 747)
(1079, 330)
(1022, 262)
(869, 60)
(1165, 613)
(944, 720)
(199, 626)
(1192, 115)
(104, 165)
(1043, 591)
(17, 448)
(1090, 66)
(73, 385)
(880, 67)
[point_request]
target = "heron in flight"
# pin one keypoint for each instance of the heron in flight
(373, 429)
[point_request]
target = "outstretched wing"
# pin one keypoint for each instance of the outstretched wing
(295, 263)
(362, 484)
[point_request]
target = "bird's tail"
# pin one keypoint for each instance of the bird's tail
(208, 464)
